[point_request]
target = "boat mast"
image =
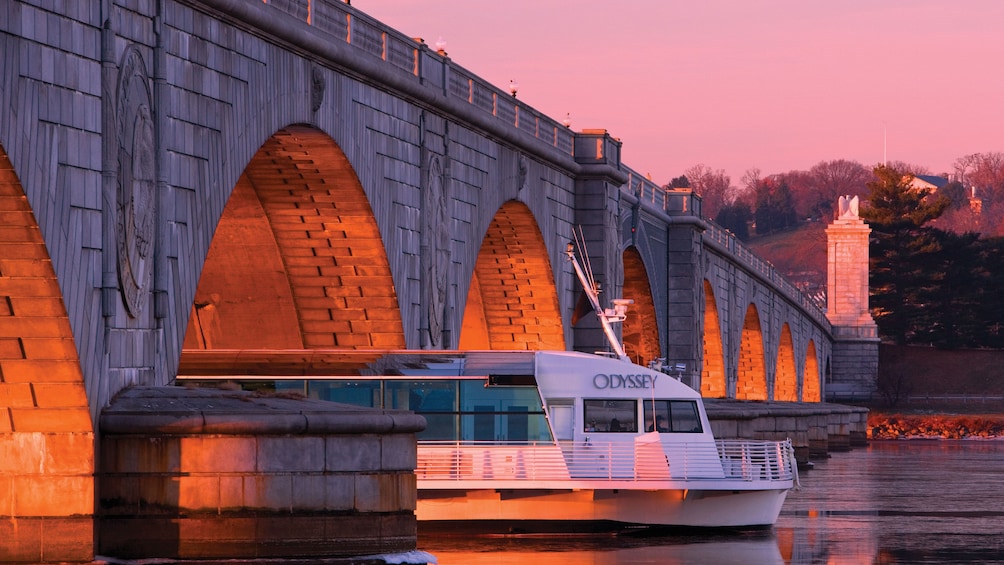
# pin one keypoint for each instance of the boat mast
(607, 316)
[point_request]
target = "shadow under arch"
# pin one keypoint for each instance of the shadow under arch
(752, 374)
(47, 451)
(640, 330)
(296, 261)
(512, 302)
(785, 374)
(713, 383)
(810, 379)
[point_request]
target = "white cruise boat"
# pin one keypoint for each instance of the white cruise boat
(539, 441)
(565, 441)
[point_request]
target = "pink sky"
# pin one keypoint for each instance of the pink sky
(773, 84)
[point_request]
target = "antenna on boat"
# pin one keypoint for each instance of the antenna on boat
(592, 289)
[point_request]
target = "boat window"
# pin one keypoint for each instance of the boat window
(610, 415)
(501, 413)
(455, 409)
(678, 416)
(360, 393)
(436, 400)
(512, 380)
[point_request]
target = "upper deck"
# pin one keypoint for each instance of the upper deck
(520, 417)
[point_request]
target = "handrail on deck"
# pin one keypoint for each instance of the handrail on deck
(768, 461)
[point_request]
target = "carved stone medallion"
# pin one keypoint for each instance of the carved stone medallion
(438, 233)
(137, 198)
(317, 87)
(524, 169)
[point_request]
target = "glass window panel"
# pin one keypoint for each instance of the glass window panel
(421, 396)
(359, 393)
(439, 427)
(484, 423)
(435, 400)
(281, 386)
(685, 417)
(680, 416)
(610, 415)
(454, 409)
(657, 419)
(517, 424)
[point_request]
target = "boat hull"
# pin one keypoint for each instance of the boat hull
(589, 510)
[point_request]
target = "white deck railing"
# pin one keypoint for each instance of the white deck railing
(616, 461)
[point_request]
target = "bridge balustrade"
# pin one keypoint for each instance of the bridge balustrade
(345, 24)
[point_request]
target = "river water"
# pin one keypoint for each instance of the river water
(893, 502)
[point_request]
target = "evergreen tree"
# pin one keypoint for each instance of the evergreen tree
(948, 300)
(775, 206)
(735, 217)
(988, 291)
(680, 182)
(902, 251)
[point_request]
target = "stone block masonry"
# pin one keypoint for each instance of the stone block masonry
(815, 429)
(199, 474)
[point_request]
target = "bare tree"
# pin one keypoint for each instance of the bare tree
(908, 168)
(983, 172)
(714, 187)
(751, 179)
(831, 180)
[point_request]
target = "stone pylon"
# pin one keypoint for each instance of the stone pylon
(855, 334)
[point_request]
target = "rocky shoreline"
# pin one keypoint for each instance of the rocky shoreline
(935, 426)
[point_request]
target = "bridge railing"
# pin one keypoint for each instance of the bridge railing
(676, 202)
(431, 68)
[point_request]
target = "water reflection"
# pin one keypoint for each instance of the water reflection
(899, 502)
(753, 548)
(906, 502)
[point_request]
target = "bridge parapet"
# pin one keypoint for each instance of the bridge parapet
(434, 70)
(675, 202)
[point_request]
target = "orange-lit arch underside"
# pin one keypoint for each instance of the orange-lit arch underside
(297, 260)
(785, 377)
(512, 302)
(640, 331)
(713, 374)
(752, 381)
(41, 385)
(810, 384)
(46, 434)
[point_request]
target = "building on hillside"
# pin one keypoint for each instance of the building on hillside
(935, 183)
(975, 202)
(929, 182)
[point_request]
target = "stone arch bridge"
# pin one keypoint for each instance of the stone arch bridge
(292, 174)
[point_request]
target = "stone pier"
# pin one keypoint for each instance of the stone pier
(815, 429)
(198, 474)
(855, 334)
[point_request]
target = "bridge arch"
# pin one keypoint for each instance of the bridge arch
(785, 373)
(713, 381)
(810, 375)
(752, 374)
(46, 431)
(640, 330)
(297, 260)
(512, 302)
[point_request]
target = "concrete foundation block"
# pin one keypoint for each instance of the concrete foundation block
(233, 492)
